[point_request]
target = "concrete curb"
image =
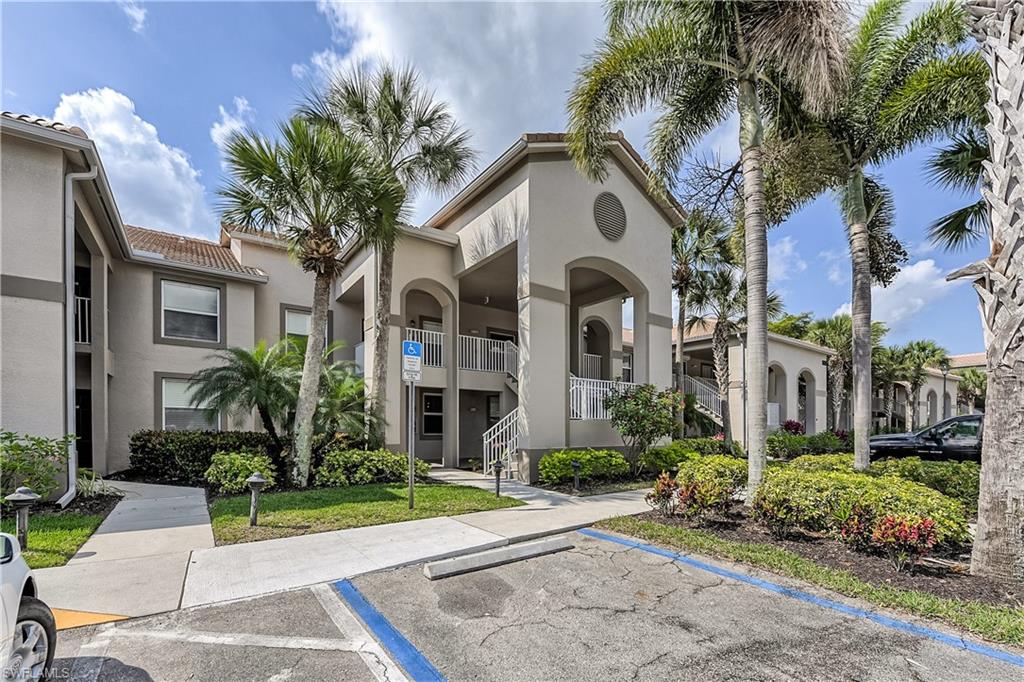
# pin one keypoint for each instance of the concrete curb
(495, 557)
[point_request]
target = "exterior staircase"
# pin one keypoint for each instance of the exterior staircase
(708, 402)
(501, 443)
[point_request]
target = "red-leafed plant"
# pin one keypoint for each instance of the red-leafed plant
(793, 426)
(904, 539)
(664, 499)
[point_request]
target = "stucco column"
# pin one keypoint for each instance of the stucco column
(544, 331)
(98, 343)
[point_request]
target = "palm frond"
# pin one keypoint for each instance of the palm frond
(960, 165)
(961, 228)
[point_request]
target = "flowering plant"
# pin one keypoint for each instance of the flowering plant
(904, 539)
(665, 497)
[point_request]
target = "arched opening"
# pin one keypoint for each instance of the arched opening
(806, 397)
(776, 396)
(596, 350)
(933, 407)
(947, 406)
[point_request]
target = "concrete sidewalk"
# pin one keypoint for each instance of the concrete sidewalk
(135, 562)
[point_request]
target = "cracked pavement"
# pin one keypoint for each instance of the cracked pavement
(603, 611)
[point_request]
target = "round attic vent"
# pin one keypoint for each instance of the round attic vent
(610, 216)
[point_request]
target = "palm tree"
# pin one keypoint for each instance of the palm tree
(916, 357)
(700, 244)
(342, 399)
(718, 298)
(886, 371)
(700, 62)
(999, 544)
(247, 380)
(960, 167)
(906, 84)
(417, 140)
(315, 188)
(971, 388)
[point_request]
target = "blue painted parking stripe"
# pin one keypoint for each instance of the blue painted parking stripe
(885, 621)
(415, 664)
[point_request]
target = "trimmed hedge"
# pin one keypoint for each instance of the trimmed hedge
(819, 463)
(784, 445)
(186, 455)
(595, 465)
(821, 501)
(229, 470)
(707, 484)
(667, 457)
(343, 467)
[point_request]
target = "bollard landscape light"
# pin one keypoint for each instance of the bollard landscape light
(22, 499)
(256, 483)
(498, 466)
(576, 474)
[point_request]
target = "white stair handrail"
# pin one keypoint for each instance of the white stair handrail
(705, 393)
(501, 442)
(586, 396)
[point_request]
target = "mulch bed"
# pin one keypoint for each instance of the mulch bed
(600, 488)
(947, 581)
(100, 505)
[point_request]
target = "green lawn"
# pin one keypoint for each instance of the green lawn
(54, 538)
(322, 509)
(997, 623)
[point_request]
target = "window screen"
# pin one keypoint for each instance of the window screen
(180, 415)
(191, 311)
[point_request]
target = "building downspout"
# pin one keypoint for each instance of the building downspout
(69, 322)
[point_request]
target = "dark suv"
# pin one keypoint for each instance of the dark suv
(955, 438)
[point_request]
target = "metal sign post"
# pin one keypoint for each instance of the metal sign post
(412, 365)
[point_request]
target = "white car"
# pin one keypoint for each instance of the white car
(29, 634)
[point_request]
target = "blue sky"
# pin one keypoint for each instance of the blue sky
(158, 84)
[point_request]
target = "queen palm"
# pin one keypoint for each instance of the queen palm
(971, 388)
(416, 138)
(836, 332)
(718, 298)
(906, 84)
(917, 356)
(701, 62)
(315, 188)
(698, 245)
(998, 26)
(244, 380)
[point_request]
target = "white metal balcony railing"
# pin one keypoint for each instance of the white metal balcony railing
(705, 393)
(590, 366)
(586, 397)
(501, 442)
(488, 355)
(433, 345)
(83, 319)
(773, 415)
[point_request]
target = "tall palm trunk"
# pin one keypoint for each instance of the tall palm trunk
(720, 351)
(999, 542)
(268, 425)
(860, 317)
(837, 380)
(382, 327)
(305, 407)
(680, 364)
(915, 399)
(756, 246)
(888, 401)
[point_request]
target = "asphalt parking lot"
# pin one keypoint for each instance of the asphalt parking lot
(600, 611)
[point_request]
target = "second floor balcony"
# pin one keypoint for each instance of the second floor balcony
(474, 352)
(83, 320)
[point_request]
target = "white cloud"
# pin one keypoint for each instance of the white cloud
(154, 183)
(231, 122)
(784, 261)
(135, 12)
(838, 263)
(916, 287)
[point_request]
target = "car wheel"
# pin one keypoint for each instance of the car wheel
(35, 637)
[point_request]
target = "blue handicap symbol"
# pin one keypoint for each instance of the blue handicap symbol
(412, 348)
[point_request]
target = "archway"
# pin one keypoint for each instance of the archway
(806, 399)
(947, 406)
(933, 407)
(595, 349)
(776, 395)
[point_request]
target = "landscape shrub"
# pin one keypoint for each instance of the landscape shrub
(783, 445)
(959, 480)
(904, 539)
(822, 463)
(595, 465)
(704, 446)
(854, 524)
(228, 471)
(642, 415)
(793, 426)
(186, 455)
(664, 497)
(707, 484)
(33, 461)
(827, 442)
(344, 467)
(666, 457)
(790, 498)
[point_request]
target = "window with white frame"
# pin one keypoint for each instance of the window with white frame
(297, 324)
(179, 414)
(627, 367)
(433, 415)
(190, 311)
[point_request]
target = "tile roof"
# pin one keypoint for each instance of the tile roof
(186, 250)
(45, 123)
(967, 360)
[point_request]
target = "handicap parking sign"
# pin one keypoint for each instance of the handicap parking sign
(412, 360)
